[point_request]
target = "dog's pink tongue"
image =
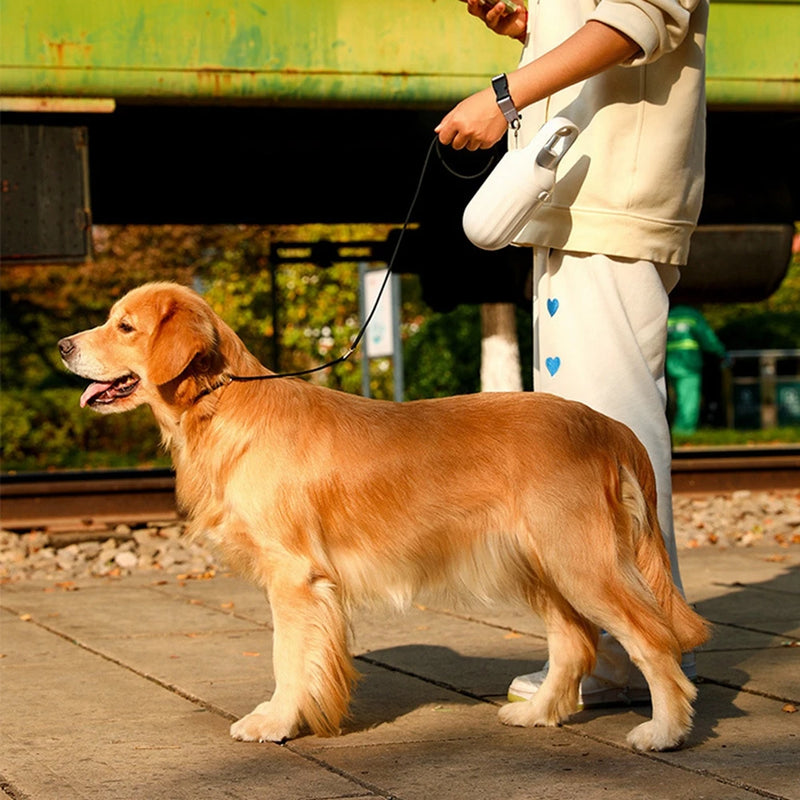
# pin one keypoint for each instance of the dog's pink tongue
(92, 390)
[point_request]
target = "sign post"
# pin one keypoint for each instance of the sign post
(382, 337)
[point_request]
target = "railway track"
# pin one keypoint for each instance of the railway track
(94, 500)
(731, 469)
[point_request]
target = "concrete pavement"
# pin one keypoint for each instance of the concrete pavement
(125, 689)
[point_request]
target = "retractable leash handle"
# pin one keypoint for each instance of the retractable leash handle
(522, 180)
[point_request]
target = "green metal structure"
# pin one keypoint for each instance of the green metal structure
(295, 111)
(395, 53)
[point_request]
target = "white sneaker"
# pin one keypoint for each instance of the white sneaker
(615, 681)
(592, 692)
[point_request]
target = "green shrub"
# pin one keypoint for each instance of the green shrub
(48, 429)
(444, 357)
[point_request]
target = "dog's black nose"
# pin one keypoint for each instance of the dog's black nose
(65, 347)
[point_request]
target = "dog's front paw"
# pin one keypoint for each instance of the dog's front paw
(265, 724)
(526, 714)
(654, 736)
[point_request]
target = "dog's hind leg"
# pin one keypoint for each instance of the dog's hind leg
(641, 629)
(572, 647)
(313, 669)
(625, 607)
(672, 694)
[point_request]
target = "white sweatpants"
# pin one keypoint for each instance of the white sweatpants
(599, 336)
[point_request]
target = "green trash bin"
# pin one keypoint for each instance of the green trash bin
(787, 399)
(747, 405)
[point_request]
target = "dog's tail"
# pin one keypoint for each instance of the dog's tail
(690, 629)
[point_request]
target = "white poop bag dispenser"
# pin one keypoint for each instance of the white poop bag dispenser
(517, 186)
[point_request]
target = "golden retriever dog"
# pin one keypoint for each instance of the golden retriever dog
(327, 500)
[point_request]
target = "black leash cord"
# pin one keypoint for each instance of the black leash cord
(389, 271)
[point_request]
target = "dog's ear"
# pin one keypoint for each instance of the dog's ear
(182, 334)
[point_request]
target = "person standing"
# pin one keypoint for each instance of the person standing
(689, 336)
(608, 246)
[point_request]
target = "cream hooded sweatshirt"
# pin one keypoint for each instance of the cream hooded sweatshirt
(631, 186)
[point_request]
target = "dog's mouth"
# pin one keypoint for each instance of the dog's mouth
(101, 393)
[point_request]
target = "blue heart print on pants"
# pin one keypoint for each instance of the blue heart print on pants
(552, 365)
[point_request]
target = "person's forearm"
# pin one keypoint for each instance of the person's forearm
(591, 50)
(477, 121)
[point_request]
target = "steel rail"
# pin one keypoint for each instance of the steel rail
(88, 500)
(85, 500)
(730, 469)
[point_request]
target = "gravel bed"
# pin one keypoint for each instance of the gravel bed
(156, 547)
(741, 519)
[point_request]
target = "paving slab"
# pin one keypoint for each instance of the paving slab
(78, 726)
(513, 764)
(126, 688)
(740, 738)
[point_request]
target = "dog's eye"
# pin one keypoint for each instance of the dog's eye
(125, 327)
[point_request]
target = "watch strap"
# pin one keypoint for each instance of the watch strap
(504, 101)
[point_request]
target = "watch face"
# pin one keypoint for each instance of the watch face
(500, 85)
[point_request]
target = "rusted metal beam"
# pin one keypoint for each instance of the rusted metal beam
(399, 53)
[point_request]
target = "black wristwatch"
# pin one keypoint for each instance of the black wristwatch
(504, 101)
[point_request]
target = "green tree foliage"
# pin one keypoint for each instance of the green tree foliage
(444, 358)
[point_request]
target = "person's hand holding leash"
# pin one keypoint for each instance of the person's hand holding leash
(476, 122)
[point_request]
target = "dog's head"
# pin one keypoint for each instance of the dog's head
(152, 336)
